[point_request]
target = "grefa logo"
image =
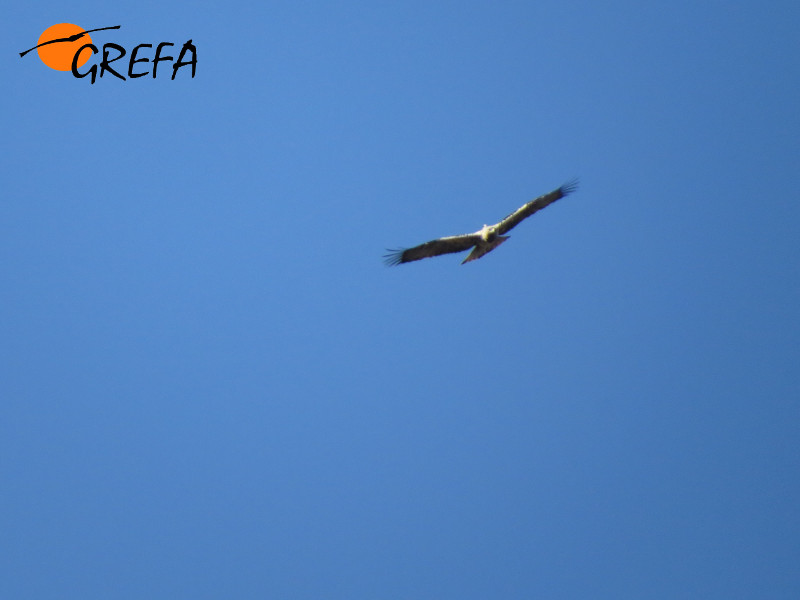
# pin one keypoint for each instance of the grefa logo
(67, 47)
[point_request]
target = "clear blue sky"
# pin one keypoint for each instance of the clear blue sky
(213, 388)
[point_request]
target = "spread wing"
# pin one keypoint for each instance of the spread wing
(531, 207)
(445, 245)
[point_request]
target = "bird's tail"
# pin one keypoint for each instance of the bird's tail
(482, 249)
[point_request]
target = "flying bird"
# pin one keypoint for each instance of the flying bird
(482, 241)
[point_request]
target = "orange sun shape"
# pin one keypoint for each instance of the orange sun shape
(59, 56)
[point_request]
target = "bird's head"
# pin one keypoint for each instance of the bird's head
(488, 233)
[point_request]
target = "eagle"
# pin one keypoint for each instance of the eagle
(482, 241)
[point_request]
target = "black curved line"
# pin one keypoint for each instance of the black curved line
(71, 38)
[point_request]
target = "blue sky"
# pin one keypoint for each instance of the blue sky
(213, 388)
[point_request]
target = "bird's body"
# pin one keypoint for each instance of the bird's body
(482, 241)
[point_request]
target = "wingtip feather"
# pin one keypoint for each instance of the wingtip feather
(394, 257)
(569, 187)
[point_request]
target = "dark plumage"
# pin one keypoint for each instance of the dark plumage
(482, 241)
